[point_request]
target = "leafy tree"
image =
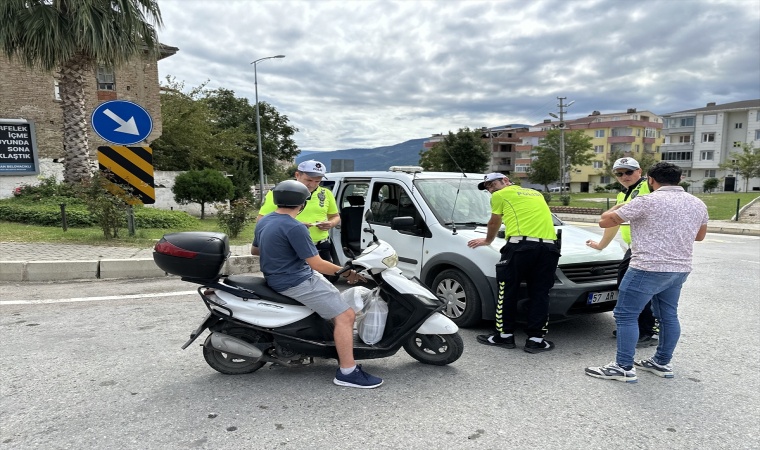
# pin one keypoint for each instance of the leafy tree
(646, 160)
(71, 37)
(243, 178)
(710, 184)
(466, 147)
(747, 163)
(544, 169)
(191, 138)
(283, 172)
(202, 186)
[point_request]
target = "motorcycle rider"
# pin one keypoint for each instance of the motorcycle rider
(292, 266)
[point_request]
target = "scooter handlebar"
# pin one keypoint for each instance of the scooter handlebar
(349, 266)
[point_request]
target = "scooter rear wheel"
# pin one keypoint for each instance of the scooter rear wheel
(229, 364)
(435, 349)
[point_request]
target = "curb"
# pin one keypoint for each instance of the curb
(20, 271)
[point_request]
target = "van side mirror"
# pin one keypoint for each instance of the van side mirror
(369, 217)
(402, 223)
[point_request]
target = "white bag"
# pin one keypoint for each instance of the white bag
(371, 323)
(354, 297)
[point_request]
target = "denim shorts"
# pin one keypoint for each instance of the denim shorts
(319, 295)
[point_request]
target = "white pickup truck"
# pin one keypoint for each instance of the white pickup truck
(447, 210)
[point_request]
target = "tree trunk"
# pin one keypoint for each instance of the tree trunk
(76, 145)
(203, 210)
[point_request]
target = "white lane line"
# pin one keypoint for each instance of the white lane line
(94, 299)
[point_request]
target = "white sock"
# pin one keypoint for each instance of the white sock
(535, 339)
(504, 335)
(348, 370)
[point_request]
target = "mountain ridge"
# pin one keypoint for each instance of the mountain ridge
(378, 158)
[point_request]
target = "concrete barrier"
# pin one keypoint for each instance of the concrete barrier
(60, 270)
(12, 270)
(130, 268)
(241, 264)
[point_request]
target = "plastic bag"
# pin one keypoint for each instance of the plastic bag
(371, 323)
(354, 297)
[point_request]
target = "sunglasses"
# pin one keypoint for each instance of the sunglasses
(627, 172)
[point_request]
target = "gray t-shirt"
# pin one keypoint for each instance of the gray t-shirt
(664, 225)
(284, 244)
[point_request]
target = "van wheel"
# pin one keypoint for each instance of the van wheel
(462, 300)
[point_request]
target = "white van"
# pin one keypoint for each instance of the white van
(557, 190)
(448, 210)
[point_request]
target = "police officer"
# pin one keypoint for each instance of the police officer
(321, 211)
(628, 173)
(531, 254)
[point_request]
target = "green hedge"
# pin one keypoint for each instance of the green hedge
(158, 218)
(45, 215)
(78, 217)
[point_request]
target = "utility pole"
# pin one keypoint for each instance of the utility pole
(562, 125)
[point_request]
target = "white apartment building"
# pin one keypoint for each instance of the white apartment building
(700, 139)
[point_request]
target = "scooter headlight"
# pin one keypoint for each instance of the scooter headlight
(391, 261)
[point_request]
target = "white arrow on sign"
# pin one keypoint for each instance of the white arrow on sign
(128, 127)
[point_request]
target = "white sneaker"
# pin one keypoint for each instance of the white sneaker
(613, 372)
(665, 371)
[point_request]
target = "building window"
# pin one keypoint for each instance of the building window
(599, 133)
(521, 168)
(738, 125)
(684, 139)
(738, 144)
(706, 155)
(708, 137)
(598, 120)
(687, 173)
(638, 132)
(106, 79)
(709, 119)
(687, 122)
(710, 173)
(657, 149)
(616, 118)
(658, 134)
(638, 147)
(757, 134)
(598, 149)
(650, 132)
(57, 90)
(676, 156)
(604, 180)
(635, 117)
(598, 164)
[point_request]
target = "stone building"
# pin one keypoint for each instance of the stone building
(33, 95)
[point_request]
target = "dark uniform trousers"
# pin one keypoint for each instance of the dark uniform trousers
(647, 324)
(324, 249)
(535, 263)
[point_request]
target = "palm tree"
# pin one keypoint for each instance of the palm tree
(71, 37)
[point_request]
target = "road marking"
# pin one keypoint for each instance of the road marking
(94, 299)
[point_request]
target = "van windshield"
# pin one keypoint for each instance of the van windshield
(473, 207)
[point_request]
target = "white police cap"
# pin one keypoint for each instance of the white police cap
(312, 168)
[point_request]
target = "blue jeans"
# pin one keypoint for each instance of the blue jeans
(637, 288)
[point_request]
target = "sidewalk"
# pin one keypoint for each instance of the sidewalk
(55, 262)
(713, 226)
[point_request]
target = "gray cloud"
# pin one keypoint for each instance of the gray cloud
(367, 74)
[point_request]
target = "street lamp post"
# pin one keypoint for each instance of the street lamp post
(258, 126)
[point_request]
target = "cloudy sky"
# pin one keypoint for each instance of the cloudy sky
(367, 74)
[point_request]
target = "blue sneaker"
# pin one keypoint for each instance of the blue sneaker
(358, 379)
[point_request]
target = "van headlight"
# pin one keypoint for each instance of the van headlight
(391, 261)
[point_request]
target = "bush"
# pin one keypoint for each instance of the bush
(547, 197)
(565, 199)
(202, 186)
(710, 184)
(45, 215)
(233, 221)
(685, 185)
(599, 189)
(48, 187)
(615, 186)
(156, 218)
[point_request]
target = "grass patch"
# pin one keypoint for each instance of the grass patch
(719, 206)
(144, 238)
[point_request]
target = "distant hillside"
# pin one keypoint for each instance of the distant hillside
(380, 158)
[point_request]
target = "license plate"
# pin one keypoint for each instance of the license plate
(601, 297)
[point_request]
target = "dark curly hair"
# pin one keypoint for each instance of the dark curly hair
(665, 173)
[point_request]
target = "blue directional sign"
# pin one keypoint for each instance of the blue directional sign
(121, 122)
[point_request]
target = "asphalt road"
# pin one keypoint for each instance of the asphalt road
(110, 374)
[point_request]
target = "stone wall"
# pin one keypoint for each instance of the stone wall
(31, 95)
(576, 210)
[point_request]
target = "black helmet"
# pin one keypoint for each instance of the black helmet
(290, 194)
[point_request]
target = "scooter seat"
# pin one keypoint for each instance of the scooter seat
(260, 287)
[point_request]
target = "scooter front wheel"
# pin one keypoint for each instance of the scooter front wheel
(230, 364)
(435, 349)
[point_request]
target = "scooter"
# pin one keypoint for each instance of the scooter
(251, 325)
